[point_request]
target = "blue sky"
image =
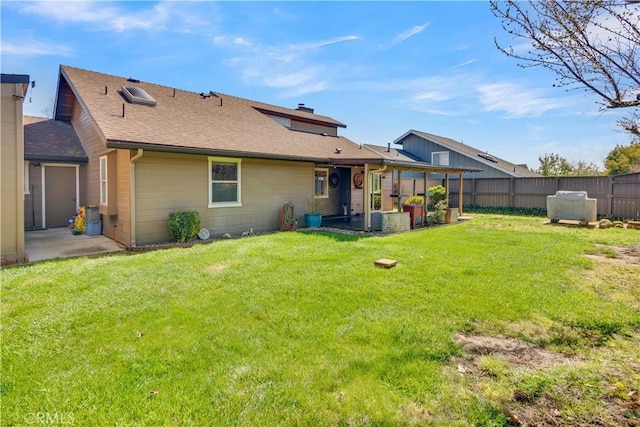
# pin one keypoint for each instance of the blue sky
(380, 67)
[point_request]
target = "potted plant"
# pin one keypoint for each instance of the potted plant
(439, 211)
(313, 218)
(415, 206)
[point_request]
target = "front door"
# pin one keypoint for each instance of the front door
(60, 195)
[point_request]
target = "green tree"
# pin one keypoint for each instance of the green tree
(556, 165)
(623, 159)
(594, 45)
(553, 165)
(586, 169)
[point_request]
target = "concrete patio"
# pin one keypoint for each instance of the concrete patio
(60, 243)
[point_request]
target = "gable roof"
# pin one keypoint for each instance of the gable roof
(51, 140)
(407, 160)
(183, 121)
(481, 156)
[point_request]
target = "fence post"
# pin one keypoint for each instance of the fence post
(473, 192)
(512, 192)
(610, 198)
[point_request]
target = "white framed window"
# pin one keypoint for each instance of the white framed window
(224, 182)
(104, 188)
(440, 158)
(321, 183)
(27, 189)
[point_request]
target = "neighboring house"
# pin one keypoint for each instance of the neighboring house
(14, 89)
(443, 151)
(56, 172)
(151, 150)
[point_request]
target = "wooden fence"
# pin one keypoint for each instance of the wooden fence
(618, 196)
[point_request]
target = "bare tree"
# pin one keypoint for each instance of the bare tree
(593, 44)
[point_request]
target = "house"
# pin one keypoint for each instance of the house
(140, 151)
(14, 89)
(439, 150)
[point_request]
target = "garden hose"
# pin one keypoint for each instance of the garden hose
(287, 217)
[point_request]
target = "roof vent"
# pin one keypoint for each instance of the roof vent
(133, 80)
(137, 95)
(301, 107)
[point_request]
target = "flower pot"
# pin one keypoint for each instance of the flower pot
(312, 220)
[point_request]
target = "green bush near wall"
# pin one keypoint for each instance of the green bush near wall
(184, 225)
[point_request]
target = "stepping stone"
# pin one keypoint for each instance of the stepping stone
(385, 263)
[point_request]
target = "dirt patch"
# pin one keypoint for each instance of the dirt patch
(549, 405)
(616, 254)
(511, 350)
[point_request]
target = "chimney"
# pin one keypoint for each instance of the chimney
(301, 107)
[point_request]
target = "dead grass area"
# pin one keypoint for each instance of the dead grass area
(537, 387)
(615, 274)
(515, 352)
(616, 254)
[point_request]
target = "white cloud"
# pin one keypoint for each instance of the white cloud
(289, 80)
(32, 47)
(431, 96)
(408, 34)
(241, 41)
(464, 64)
(166, 15)
(514, 100)
(288, 66)
(319, 44)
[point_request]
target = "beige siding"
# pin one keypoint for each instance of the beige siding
(12, 175)
(95, 146)
(121, 233)
(171, 182)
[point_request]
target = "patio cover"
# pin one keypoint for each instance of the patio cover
(403, 163)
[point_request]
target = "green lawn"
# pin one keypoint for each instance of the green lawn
(300, 328)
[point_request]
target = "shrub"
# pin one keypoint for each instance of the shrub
(506, 210)
(414, 200)
(184, 225)
(437, 193)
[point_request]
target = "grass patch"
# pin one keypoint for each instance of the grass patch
(302, 329)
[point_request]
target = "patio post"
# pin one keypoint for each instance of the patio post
(399, 190)
(461, 175)
(424, 191)
(446, 186)
(367, 198)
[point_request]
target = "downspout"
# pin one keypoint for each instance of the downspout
(132, 194)
(367, 205)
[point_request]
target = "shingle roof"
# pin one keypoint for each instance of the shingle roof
(52, 140)
(480, 156)
(185, 121)
(405, 159)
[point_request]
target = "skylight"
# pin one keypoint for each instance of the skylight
(488, 157)
(137, 95)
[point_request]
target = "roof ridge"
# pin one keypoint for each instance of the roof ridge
(294, 111)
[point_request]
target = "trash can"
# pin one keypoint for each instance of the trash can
(92, 221)
(93, 228)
